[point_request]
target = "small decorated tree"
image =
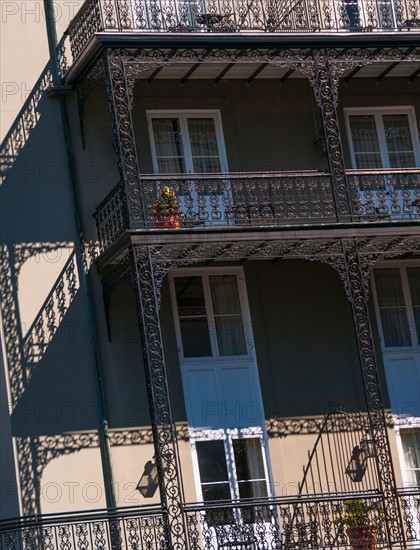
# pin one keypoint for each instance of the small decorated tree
(166, 209)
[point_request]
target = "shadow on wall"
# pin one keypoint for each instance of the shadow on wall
(37, 224)
(35, 453)
(26, 349)
(25, 122)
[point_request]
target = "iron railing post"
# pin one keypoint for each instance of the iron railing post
(147, 289)
(326, 90)
(357, 286)
(124, 139)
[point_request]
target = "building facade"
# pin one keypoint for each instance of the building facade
(218, 239)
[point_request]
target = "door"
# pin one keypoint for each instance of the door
(397, 302)
(396, 288)
(192, 142)
(222, 394)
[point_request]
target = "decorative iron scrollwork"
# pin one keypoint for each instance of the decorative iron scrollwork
(358, 300)
(124, 141)
(163, 427)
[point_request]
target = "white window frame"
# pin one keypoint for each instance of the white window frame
(227, 436)
(182, 115)
(205, 273)
(413, 427)
(401, 266)
(377, 112)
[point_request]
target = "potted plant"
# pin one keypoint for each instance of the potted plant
(359, 522)
(166, 208)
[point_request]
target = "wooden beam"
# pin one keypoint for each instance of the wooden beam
(286, 76)
(190, 72)
(387, 70)
(153, 75)
(256, 73)
(353, 73)
(414, 75)
(222, 74)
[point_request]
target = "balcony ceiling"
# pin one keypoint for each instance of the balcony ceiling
(213, 71)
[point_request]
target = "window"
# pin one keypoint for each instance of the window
(398, 305)
(185, 142)
(209, 315)
(192, 142)
(410, 440)
(385, 138)
(232, 468)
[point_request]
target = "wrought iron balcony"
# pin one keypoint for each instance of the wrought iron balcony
(228, 16)
(123, 529)
(288, 523)
(307, 522)
(251, 200)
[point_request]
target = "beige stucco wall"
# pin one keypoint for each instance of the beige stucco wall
(24, 50)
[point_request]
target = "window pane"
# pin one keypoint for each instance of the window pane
(203, 141)
(216, 491)
(230, 335)
(395, 327)
(173, 165)
(248, 459)
(205, 165)
(225, 295)
(401, 160)
(392, 308)
(398, 141)
(411, 447)
(365, 141)
(168, 145)
(252, 489)
(195, 337)
(227, 315)
(192, 317)
(389, 287)
(190, 296)
(212, 461)
(413, 274)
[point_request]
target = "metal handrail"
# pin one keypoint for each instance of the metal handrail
(233, 175)
(382, 171)
(281, 500)
(79, 516)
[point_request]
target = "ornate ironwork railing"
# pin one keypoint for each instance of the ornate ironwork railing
(111, 219)
(385, 194)
(286, 523)
(122, 529)
(279, 16)
(306, 522)
(238, 200)
(221, 200)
